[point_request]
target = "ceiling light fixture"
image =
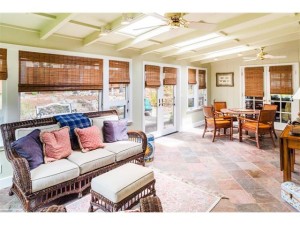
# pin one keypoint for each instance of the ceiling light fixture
(126, 18)
(105, 31)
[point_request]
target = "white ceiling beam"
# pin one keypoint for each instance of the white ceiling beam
(272, 38)
(265, 27)
(249, 32)
(113, 26)
(223, 25)
(234, 56)
(55, 25)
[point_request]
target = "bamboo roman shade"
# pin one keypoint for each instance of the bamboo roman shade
(152, 78)
(254, 81)
(50, 72)
(170, 76)
(3, 64)
(192, 76)
(281, 79)
(118, 72)
(202, 80)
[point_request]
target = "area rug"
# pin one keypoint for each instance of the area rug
(175, 194)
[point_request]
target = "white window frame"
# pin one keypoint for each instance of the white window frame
(128, 93)
(196, 91)
(13, 62)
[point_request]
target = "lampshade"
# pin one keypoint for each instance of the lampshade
(297, 94)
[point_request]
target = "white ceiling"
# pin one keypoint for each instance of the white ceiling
(252, 30)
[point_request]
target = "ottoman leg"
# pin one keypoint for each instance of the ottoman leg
(91, 209)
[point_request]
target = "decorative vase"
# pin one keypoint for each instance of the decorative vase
(149, 154)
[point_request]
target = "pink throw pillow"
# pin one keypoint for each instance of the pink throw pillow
(89, 138)
(56, 144)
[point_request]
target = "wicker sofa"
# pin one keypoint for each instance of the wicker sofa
(36, 188)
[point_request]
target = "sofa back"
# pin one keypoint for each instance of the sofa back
(8, 130)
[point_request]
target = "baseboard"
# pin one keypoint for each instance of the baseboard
(193, 125)
(5, 182)
(199, 123)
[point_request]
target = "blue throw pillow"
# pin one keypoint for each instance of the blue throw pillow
(30, 147)
(115, 130)
(73, 120)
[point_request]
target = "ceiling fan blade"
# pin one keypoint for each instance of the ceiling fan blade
(274, 56)
(249, 57)
(151, 27)
(248, 60)
(200, 25)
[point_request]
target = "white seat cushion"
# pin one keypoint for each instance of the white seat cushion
(89, 161)
(21, 132)
(124, 149)
(98, 122)
(49, 174)
(121, 182)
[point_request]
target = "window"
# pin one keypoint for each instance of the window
(196, 88)
(49, 83)
(118, 99)
(80, 101)
(119, 80)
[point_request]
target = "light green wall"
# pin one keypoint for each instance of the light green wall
(232, 95)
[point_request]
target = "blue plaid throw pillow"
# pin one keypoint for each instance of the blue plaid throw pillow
(73, 120)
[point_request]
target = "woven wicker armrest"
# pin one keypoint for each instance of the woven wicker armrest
(22, 175)
(138, 136)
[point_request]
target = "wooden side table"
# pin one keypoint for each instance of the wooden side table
(288, 144)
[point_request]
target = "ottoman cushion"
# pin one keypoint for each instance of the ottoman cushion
(119, 183)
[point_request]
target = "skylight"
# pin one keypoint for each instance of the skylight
(142, 26)
(196, 40)
(228, 51)
(203, 44)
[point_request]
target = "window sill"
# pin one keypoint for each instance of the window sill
(194, 110)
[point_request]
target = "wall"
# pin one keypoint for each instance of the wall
(30, 41)
(232, 95)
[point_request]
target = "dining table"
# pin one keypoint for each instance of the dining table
(240, 111)
(237, 112)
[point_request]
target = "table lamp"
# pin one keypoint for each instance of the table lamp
(297, 96)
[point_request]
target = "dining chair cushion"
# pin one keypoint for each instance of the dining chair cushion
(218, 121)
(254, 125)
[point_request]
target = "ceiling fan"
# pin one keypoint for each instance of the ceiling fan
(261, 55)
(178, 20)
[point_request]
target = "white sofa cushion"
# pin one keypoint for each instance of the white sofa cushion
(21, 132)
(47, 175)
(119, 183)
(89, 161)
(124, 149)
(98, 121)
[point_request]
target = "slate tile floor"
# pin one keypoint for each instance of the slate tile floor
(248, 176)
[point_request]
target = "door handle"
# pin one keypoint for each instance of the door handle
(159, 102)
(162, 102)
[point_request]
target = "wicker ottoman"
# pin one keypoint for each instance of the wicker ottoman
(121, 188)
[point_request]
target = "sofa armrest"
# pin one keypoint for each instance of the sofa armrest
(22, 176)
(138, 136)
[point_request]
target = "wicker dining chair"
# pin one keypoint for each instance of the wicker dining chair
(216, 123)
(271, 107)
(262, 126)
